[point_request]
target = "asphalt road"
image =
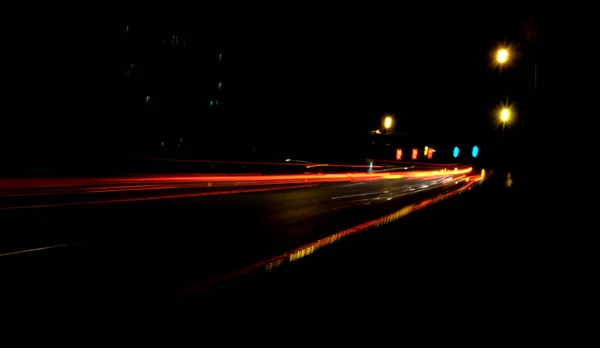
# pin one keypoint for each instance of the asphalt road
(138, 244)
(455, 266)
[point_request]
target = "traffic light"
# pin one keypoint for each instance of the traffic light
(430, 153)
(415, 154)
(426, 151)
(398, 154)
(455, 152)
(475, 151)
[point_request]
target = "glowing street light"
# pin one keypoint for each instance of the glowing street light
(387, 123)
(502, 55)
(504, 115)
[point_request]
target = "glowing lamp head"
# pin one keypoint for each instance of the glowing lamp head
(502, 56)
(504, 115)
(387, 123)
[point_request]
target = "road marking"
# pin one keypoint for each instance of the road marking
(85, 190)
(38, 249)
(154, 198)
(357, 195)
(354, 184)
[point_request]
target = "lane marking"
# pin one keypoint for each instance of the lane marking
(155, 198)
(357, 195)
(354, 184)
(84, 190)
(38, 249)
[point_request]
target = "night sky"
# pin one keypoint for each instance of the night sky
(297, 77)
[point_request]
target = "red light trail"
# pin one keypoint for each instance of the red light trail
(233, 180)
(86, 191)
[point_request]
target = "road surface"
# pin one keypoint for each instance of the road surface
(164, 233)
(450, 261)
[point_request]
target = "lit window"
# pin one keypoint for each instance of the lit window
(219, 57)
(219, 85)
(211, 103)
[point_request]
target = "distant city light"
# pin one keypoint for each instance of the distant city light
(399, 154)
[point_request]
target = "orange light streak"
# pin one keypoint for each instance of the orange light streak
(9, 184)
(308, 164)
(420, 163)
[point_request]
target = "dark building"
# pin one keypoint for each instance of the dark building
(174, 83)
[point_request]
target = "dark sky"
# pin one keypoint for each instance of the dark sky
(295, 73)
(432, 72)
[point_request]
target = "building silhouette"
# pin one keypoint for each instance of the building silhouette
(173, 90)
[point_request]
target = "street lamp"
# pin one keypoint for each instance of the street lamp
(387, 123)
(504, 115)
(502, 55)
